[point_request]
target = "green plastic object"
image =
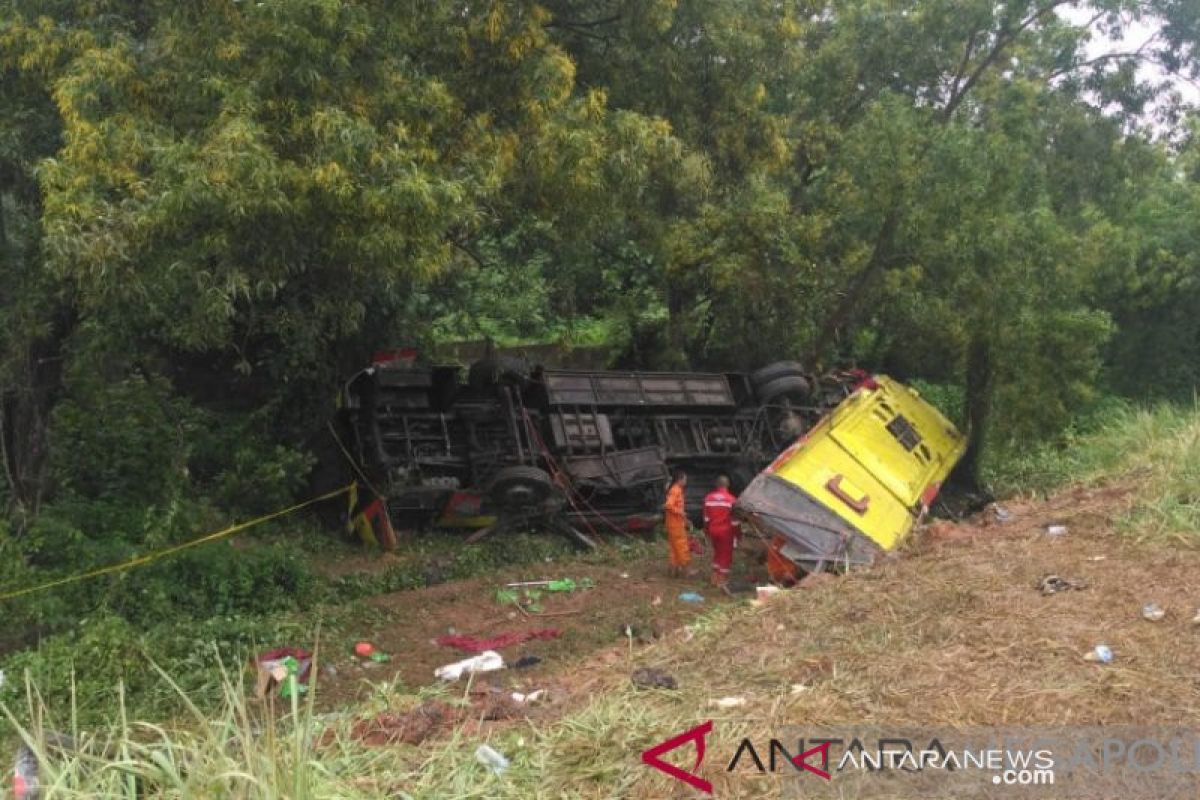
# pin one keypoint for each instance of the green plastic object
(292, 681)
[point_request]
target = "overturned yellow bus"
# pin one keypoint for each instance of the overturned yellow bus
(854, 486)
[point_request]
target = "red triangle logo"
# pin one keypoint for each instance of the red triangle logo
(696, 735)
(801, 760)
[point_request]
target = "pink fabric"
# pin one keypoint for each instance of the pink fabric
(470, 644)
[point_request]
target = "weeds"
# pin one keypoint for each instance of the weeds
(1157, 448)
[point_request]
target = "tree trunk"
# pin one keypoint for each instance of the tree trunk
(980, 385)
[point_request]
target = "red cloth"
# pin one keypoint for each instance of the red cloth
(469, 644)
(718, 513)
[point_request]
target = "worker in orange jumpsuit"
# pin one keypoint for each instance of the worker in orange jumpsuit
(781, 569)
(722, 530)
(677, 524)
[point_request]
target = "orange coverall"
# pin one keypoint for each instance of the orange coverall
(676, 522)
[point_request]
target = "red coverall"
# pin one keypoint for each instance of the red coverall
(722, 530)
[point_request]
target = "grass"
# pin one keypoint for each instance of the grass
(952, 635)
(1157, 449)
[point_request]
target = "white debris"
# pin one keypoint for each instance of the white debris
(728, 702)
(531, 697)
(487, 661)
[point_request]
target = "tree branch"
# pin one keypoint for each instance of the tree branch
(1004, 37)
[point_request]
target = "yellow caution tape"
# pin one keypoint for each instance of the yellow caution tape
(141, 561)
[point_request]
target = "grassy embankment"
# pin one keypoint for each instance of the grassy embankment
(951, 635)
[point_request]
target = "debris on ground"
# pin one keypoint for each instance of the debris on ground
(364, 649)
(1056, 530)
(530, 697)
(1196, 619)
(491, 759)
(412, 727)
(1101, 654)
(653, 678)
(470, 644)
(727, 702)
(557, 585)
(691, 597)
(765, 593)
(998, 513)
(524, 662)
(657, 600)
(1153, 612)
(1053, 584)
(281, 668)
(643, 634)
(25, 783)
(487, 661)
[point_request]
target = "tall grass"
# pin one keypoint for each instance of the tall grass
(1155, 449)
(250, 750)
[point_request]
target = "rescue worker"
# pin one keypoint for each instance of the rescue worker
(783, 571)
(675, 518)
(722, 530)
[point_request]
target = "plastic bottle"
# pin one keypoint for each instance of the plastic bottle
(491, 759)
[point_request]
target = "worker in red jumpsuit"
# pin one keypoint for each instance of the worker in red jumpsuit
(722, 530)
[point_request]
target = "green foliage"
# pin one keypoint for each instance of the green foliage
(1153, 451)
(210, 215)
(126, 442)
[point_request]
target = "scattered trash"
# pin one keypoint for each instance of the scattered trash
(798, 688)
(691, 597)
(277, 667)
(470, 644)
(652, 678)
(487, 661)
(1052, 584)
(644, 634)
(728, 702)
(559, 585)
(1196, 619)
(657, 601)
(524, 662)
(1, 679)
(1056, 530)
(1000, 513)
(1101, 653)
(380, 657)
(364, 649)
(491, 759)
(1153, 612)
(26, 774)
(624, 574)
(329, 671)
(25, 783)
(765, 593)
(531, 697)
(1097, 558)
